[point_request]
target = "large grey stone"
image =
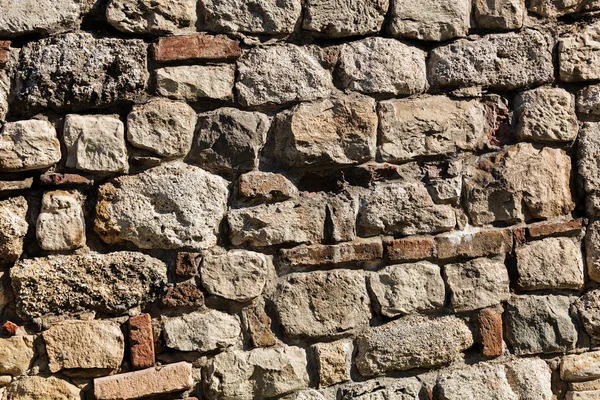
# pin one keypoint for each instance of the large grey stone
(408, 288)
(74, 283)
(335, 18)
(13, 228)
(540, 324)
(403, 207)
(28, 145)
(412, 342)
(426, 20)
(170, 206)
(409, 129)
(76, 71)
(322, 303)
(38, 387)
(195, 82)
(383, 389)
(482, 381)
(530, 378)
(16, 354)
(382, 66)
(152, 16)
(499, 14)
(484, 62)
(61, 223)
(280, 74)
(346, 127)
(577, 55)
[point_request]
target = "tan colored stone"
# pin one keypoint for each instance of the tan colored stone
(319, 254)
(578, 53)
(499, 14)
(152, 16)
(351, 17)
(587, 395)
(194, 82)
(266, 186)
(19, 17)
(38, 387)
(16, 355)
(472, 242)
(13, 228)
(425, 20)
(28, 145)
(334, 362)
(580, 367)
(61, 222)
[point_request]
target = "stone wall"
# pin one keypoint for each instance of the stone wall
(300, 199)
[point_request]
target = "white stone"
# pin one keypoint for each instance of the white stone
(19, 17)
(61, 223)
(341, 18)
(152, 16)
(13, 228)
(16, 355)
(28, 145)
(194, 82)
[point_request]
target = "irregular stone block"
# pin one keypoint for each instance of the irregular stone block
(472, 243)
(73, 72)
(588, 101)
(280, 74)
(587, 395)
(47, 388)
(335, 19)
(588, 306)
(397, 389)
(553, 8)
(187, 264)
(585, 386)
(196, 47)
(410, 130)
(382, 66)
(152, 381)
(499, 14)
(163, 127)
(588, 151)
(490, 331)
(265, 187)
(334, 361)
(408, 288)
(553, 263)
(347, 127)
(409, 249)
(256, 374)
(580, 367)
(93, 348)
(319, 254)
(61, 223)
(13, 228)
(476, 284)
(13, 186)
(202, 332)
(546, 115)
(238, 275)
(151, 16)
(289, 222)
(258, 325)
(169, 207)
(577, 54)
(141, 341)
(16, 355)
(483, 62)
(530, 378)
(404, 207)
(541, 230)
(69, 284)
(540, 324)
(425, 20)
(519, 183)
(194, 82)
(412, 342)
(28, 145)
(185, 294)
(4, 52)
(482, 381)
(229, 140)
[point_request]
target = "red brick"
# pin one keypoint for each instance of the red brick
(4, 51)
(409, 249)
(10, 328)
(196, 47)
(183, 295)
(141, 341)
(476, 244)
(333, 254)
(55, 179)
(490, 330)
(554, 228)
(187, 264)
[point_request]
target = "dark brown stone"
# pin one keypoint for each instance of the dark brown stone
(141, 341)
(196, 47)
(4, 51)
(258, 325)
(554, 228)
(55, 179)
(490, 330)
(184, 295)
(409, 249)
(187, 264)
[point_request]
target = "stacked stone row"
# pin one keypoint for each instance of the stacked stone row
(309, 200)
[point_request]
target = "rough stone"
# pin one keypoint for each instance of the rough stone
(202, 332)
(408, 288)
(412, 342)
(410, 130)
(229, 140)
(70, 72)
(589, 310)
(289, 222)
(545, 229)
(152, 381)
(141, 341)
(94, 348)
(485, 62)
(267, 17)
(477, 284)
(382, 66)
(187, 264)
(409, 249)
(546, 115)
(322, 303)
(256, 374)
(319, 254)
(518, 184)
(593, 251)
(499, 14)
(170, 206)
(554, 8)
(588, 152)
(577, 54)
(164, 127)
(333, 18)
(472, 242)
(375, 389)
(238, 275)
(61, 223)
(485, 382)
(404, 207)
(588, 101)
(580, 367)
(585, 386)
(586, 395)
(194, 82)
(539, 324)
(13, 228)
(95, 143)
(553, 263)
(490, 331)
(258, 325)
(74, 283)
(347, 132)
(425, 20)
(196, 47)
(185, 294)
(265, 187)
(13, 186)
(334, 362)
(28, 145)
(280, 74)
(530, 378)
(150, 16)
(16, 355)
(38, 387)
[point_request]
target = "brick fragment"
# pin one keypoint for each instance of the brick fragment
(56, 179)
(554, 228)
(141, 341)
(10, 328)
(152, 381)
(196, 47)
(473, 244)
(409, 249)
(187, 264)
(520, 236)
(183, 295)
(4, 52)
(490, 330)
(318, 254)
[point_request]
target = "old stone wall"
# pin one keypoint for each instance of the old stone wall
(300, 199)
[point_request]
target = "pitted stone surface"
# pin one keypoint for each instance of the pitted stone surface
(335, 18)
(61, 223)
(13, 228)
(141, 16)
(28, 145)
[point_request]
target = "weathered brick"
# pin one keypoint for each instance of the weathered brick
(409, 249)
(152, 381)
(187, 264)
(258, 325)
(10, 328)
(183, 295)
(196, 47)
(4, 51)
(490, 331)
(333, 254)
(49, 178)
(141, 341)
(473, 244)
(554, 228)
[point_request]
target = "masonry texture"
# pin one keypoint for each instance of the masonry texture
(300, 199)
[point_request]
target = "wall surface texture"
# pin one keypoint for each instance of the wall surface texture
(300, 199)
